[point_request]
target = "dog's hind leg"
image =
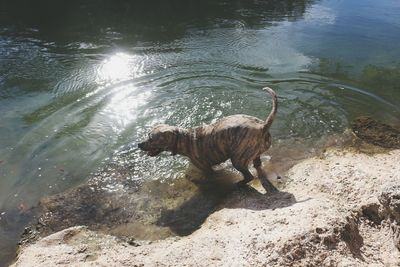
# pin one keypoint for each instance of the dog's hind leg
(263, 176)
(243, 168)
(257, 163)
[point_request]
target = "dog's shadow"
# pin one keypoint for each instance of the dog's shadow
(213, 195)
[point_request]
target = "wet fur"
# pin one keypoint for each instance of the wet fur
(240, 138)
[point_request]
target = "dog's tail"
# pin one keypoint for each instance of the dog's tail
(274, 109)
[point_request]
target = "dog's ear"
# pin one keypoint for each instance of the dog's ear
(171, 134)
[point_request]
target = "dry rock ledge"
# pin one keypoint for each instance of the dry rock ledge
(339, 209)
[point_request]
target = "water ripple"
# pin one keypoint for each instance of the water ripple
(107, 104)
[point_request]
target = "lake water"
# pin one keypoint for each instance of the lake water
(82, 83)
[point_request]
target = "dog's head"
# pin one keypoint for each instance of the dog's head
(161, 138)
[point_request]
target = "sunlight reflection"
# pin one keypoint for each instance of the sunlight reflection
(123, 98)
(118, 67)
(123, 106)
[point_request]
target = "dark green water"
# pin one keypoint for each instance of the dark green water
(83, 81)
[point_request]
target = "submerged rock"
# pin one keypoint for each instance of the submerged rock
(376, 133)
(150, 210)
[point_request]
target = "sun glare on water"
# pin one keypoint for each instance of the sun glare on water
(123, 98)
(118, 67)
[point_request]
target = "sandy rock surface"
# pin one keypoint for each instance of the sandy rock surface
(339, 209)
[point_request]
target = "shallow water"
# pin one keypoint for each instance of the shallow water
(81, 84)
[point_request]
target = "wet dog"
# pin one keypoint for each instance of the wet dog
(240, 138)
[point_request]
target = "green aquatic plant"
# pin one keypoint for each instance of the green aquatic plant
(381, 76)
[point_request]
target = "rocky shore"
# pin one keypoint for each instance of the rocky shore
(339, 208)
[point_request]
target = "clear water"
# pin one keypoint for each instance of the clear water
(81, 83)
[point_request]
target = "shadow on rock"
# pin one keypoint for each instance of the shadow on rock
(188, 217)
(213, 195)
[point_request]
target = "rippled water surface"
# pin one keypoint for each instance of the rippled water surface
(81, 82)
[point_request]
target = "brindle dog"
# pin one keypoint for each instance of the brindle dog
(240, 138)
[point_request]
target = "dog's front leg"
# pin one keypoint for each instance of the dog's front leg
(204, 167)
